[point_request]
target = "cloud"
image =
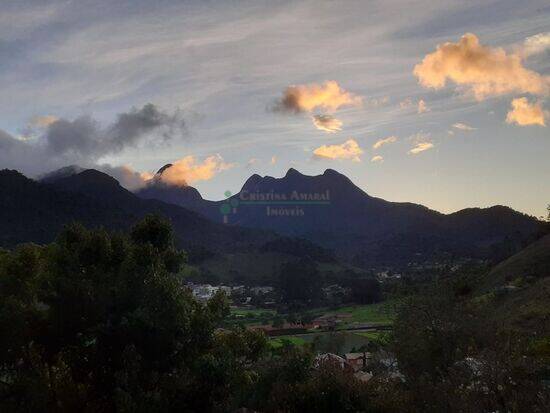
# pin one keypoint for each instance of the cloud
(251, 162)
(377, 159)
(273, 160)
(422, 107)
(536, 44)
(84, 142)
(42, 121)
(327, 123)
(421, 147)
(378, 102)
(328, 96)
(381, 142)
(347, 150)
(524, 113)
(406, 103)
(481, 70)
(188, 170)
(84, 139)
(463, 126)
(127, 176)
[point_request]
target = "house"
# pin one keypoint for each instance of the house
(330, 358)
(261, 290)
(358, 361)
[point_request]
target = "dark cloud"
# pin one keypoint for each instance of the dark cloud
(83, 137)
(83, 141)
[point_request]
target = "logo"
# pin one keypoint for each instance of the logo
(276, 204)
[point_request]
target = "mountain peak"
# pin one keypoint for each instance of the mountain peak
(253, 180)
(293, 172)
(159, 181)
(164, 168)
(329, 172)
(61, 173)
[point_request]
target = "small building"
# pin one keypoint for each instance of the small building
(331, 320)
(358, 361)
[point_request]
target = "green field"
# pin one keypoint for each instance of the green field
(379, 313)
(333, 342)
(252, 312)
(371, 335)
(278, 342)
(248, 316)
(371, 313)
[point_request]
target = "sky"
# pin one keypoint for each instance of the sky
(439, 103)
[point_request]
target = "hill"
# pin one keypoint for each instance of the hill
(35, 212)
(531, 262)
(331, 211)
(518, 289)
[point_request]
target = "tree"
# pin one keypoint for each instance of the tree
(100, 322)
(294, 382)
(455, 356)
(299, 281)
(365, 290)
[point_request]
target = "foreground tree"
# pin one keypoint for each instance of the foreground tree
(100, 322)
(299, 281)
(455, 356)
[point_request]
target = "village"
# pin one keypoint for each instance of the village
(340, 334)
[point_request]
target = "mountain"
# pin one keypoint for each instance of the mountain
(331, 211)
(36, 212)
(518, 289)
(532, 262)
(61, 173)
(183, 194)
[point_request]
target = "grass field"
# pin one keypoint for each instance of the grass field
(382, 313)
(279, 341)
(372, 313)
(248, 316)
(252, 312)
(335, 342)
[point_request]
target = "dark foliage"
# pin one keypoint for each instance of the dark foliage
(299, 247)
(299, 281)
(99, 322)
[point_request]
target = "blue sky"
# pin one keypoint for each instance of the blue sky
(222, 67)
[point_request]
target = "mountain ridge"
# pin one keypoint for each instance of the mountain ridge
(34, 211)
(361, 228)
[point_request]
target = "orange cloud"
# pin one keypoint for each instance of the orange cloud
(421, 147)
(422, 107)
(347, 150)
(377, 159)
(381, 142)
(327, 123)
(524, 113)
(43, 121)
(188, 170)
(482, 70)
(463, 126)
(406, 103)
(328, 96)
